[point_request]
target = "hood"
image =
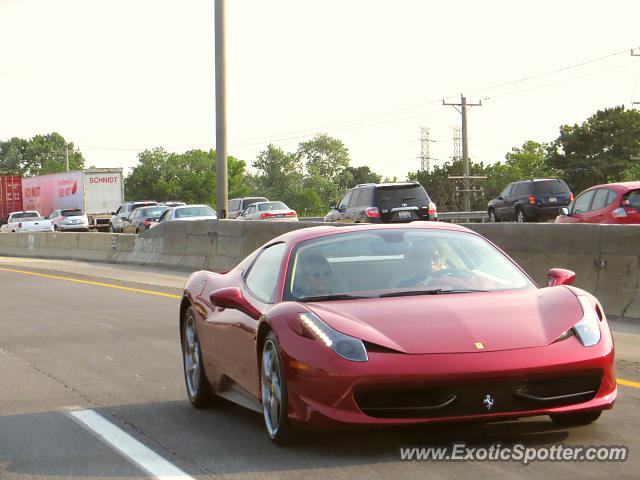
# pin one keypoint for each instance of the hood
(454, 323)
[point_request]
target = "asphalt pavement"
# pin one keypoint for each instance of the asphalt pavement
(106, 345)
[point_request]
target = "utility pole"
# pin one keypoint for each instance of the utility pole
(635, 53)
(66, 156)
(465, 146)
(222, 196)
(425, 157)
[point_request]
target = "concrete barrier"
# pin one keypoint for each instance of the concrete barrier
(606, 258)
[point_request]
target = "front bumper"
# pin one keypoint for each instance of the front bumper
(328, 391)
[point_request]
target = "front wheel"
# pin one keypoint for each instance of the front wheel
(520, 218)
(273, 382)
(199, 390)
(492, 216)
(575, 419)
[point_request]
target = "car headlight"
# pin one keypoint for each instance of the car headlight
(587, 329)
(347, 347)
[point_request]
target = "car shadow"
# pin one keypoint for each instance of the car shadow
(230, 440)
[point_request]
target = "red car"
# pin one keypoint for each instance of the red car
(393, 324)
(608, 203)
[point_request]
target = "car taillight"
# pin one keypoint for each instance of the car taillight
(432, 208)
(619, 213)
(532, 200)
(266, 215)
(570, 196)
(146, 223)
(291, 214)
(372, 212)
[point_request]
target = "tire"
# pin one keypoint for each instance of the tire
(199, 390)
(273, 385)
(520, 217)
(55, 228)
(137, 231)
(575, 419)
(492, 216)
(111, 230)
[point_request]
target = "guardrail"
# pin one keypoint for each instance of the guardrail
(464, 217)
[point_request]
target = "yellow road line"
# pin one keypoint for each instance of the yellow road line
(87, 282)
(628, 383)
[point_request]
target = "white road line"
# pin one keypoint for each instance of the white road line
(141, 455)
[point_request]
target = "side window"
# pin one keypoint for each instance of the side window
(600, 199)
(344, 203)
(263, 274)
(366, 197)
(507, 191)
(611, 197)
(355, 198)
(522, 189)
(234, 204)
(582, 203)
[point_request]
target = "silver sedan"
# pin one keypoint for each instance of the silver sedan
(273, 211)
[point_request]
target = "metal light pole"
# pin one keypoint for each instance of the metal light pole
(221, 111)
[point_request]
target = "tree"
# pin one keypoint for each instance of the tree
(599, 150)
(189, 177)
(325, 159)
(40, 155)
(352, 176)
(279, 175)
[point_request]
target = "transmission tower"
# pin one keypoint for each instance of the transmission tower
(425, 157)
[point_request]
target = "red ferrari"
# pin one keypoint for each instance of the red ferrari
(393, 324)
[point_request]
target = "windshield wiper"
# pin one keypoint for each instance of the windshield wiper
(335, 296)
(435, 291)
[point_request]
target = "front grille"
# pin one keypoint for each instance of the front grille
(459, 399)
(102, 221)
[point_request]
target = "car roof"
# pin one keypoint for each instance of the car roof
(308, 233)
(387, 184)
(621, 185)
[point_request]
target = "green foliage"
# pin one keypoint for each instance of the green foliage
(189, 177)
(599, 150)
(632, 174)
(39, 155)
(359, 175)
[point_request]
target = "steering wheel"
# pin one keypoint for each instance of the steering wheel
(452, 272)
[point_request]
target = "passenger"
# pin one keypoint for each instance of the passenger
(315, 277)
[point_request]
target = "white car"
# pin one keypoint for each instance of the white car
(187, 212)
(26, 221)
(274, 211)
(69, 219)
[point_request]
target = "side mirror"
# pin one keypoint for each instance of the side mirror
(564, 211)
(231, 297)
(333, 206)
(500, 197)
(560, 276)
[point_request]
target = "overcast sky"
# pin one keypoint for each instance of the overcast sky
(119, 76)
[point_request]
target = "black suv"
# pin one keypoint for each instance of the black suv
(530, 200)
(384, 203)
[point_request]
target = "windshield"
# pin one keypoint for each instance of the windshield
(71, 213)
(402, 262)
(396, 196)
(550, 186)
(265, 207)
(194, 212)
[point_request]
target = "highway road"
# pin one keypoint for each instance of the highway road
(92, 388)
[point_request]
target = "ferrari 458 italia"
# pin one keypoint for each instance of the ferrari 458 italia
(393, 324)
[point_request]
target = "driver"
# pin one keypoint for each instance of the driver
(421, 263)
